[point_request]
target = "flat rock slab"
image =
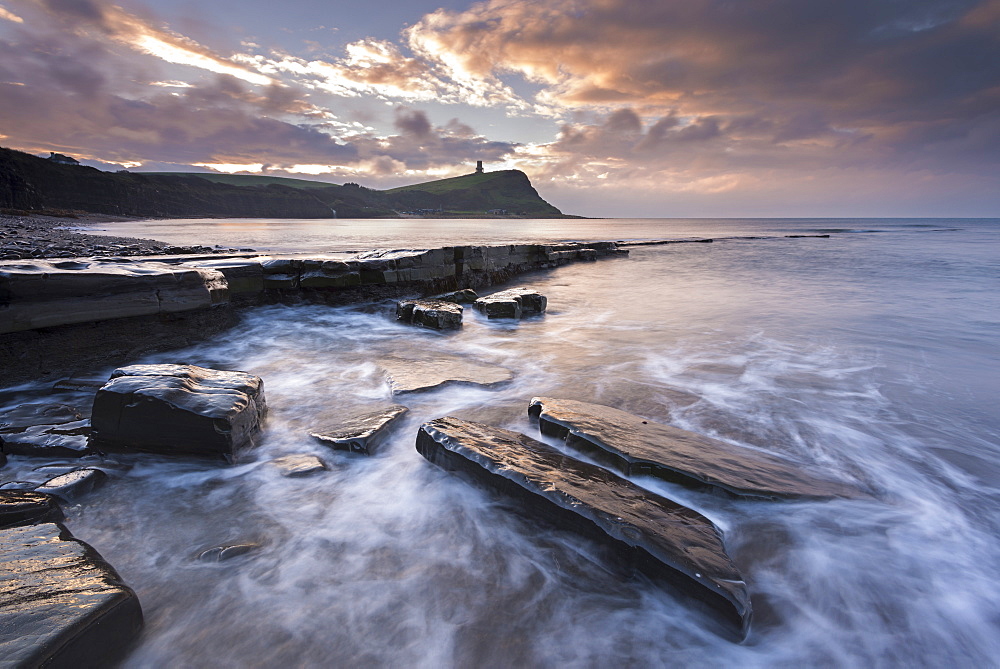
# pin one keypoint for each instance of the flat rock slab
(298, 465)
(22, 507)
(410, 376)
(360, 433)
(651, 531)
(74, 484)
(512, 303)
(437, 314)
(61, 604)
(639, 447)
(178, 410)
(46, 430)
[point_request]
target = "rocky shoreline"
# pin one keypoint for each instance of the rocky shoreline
(34, 237)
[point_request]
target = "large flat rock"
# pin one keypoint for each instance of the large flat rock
(61, 604)
(40, 294)
(178, 410)
(635, 446)
(437, 314)
(652, 532)
(512, 303)
(407, 375)
(361, 432)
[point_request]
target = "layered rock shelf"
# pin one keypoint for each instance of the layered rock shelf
(651, 532)
(638, 447)
(107, 309)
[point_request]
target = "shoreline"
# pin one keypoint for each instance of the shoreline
(41, 237)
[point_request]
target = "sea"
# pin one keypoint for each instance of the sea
(871, 356)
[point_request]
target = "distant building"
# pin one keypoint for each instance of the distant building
(479, 167)
(61, 159)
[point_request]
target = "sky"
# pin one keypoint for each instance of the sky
(619, 108)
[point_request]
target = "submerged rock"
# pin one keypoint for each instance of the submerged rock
(300, 464)
(638, 447)
(227, 552)
(47, 430)
(513, 303)
(178, 410)
(61, 604)
(73, 484)
(21, 507)
(437, 314)
(652, 532)
(410, 376)
(360, 433)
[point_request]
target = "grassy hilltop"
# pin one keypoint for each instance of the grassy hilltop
(29, 183)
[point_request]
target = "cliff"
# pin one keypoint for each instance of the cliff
(31, 183)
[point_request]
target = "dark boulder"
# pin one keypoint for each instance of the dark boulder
(61, 604)
(415, 375)
(639, 447)
(22, 507)
(48, 430)
(74, 484)
(298, 465)
(178, 410)
(437, 314)
(360, 433)
(513, 303)
(651, 532)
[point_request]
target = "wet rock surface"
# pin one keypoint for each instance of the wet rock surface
(639, 447)
(22, 507)
(437, 314)
(512, 303)
(178, 410)
(298, 465)
(73, 484)
(61, 604)
(362, 432)
(464, 296)
(416, 375)
(654, 533)
(47, 430)
(227, 551)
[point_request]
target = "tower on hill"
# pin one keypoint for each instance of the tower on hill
(479, 167)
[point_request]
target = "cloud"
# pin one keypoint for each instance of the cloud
(112, 22)
(894, 73)
(8, 15)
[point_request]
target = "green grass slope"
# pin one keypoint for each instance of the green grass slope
(510, 190)
(245, 179)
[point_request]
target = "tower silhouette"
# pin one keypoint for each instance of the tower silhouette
(479, 167)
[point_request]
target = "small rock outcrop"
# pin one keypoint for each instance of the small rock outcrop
(513, 303)
(437, 314)
(299, 465)
(48, 430)
(649, 531)
(464, 296)
(21, 507)
(61, 604)
(638, 447)
(415, 375)
(73, 484)
(178, 410)
(360, 433)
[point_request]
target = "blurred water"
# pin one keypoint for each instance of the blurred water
(871, 356)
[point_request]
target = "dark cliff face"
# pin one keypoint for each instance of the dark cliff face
(28, 182)
(31, 183)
